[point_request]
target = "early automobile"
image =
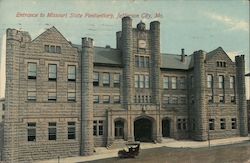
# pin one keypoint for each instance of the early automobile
(132, 150)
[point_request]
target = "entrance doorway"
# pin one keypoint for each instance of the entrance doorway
(165, 127)
(119, 129)
(143, 130)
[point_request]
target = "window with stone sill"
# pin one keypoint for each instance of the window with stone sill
(52, 96)
(96, 79)
(211, 124)
(71, 96)
(174, 84)
(71, 73)
(52, 131)
(232, 82)
(71, 130)
(32, 70)
(234, 123)
(52, 49)
(52, 72)
(116, 99)
(116, 80)
(182, 83)
(221, 81)
(165, 82)
(98, 129)
(106, 99)
(96, 99)
(31, 131)
(209, 81)
(221, 99)
(106, 79)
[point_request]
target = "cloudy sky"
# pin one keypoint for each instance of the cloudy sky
(189, 24)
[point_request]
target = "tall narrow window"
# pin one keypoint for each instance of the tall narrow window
(58, 49)
(222, 98)
(222, 123)
(95, 128)
(174, 79)
(221, 81)
(106, 80)
(117, 80)
(146, 62)
(137, 61)
(141, 81)
(31, 131)
(32, 70)
(234, 124)
(71, 73)
(136, 81)
(52, 72)
(100, 128)
(146, 81)
(52, 49)
(141, 61)
(71, 130)
(211, 124)
(182, 83)
(96, 79)
(209, 81)
(52, 131)
(165, 82)
(232, 81)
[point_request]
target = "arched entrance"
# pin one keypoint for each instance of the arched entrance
(119, 129)
(143, 130)
(166, 127)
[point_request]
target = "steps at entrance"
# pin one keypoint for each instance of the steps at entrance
(118, 143)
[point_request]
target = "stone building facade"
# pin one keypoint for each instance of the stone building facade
(64, 99)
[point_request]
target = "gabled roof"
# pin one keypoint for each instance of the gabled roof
(173, 61)
(217, 51)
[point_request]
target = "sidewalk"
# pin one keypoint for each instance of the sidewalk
(102, 152)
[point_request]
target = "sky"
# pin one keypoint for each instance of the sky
(188, 24)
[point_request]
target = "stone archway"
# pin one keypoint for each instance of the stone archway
(166, 127)
(143, 129)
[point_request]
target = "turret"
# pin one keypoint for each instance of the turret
(127, 49)
(87, 142)
(199, 95)
(241, 92)
(155, 67)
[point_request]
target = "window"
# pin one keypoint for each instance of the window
(232, 81)
(96, 79)
(71, 130)
(46, 48)
(182, 124)
(141, 64)
(222, 123)
(211, 124)
(174, 100)
(137, 61)
(165, 82)
(232, 99)
(52, 131)
(32, 70)
(31, 131)
(72, 96)
(174, 79)
(117, 99)
(71, 73)
(52, 96)
(179, 124)
(117, 80)
(146, 62)
(98, 128)
(221, 64)
(210, 99)
(52, 49)
(234, 124)
(209, 81)
(96, 99)
(52, 72)
(166, 99)
(106, 80)
(146, 77)
(58, 49)
(222, 98)
(136, 81)
(221, 81)
(32, 95)
(106, 99)
(141, 81)
(182, 82)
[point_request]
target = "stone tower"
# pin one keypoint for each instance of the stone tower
(127, 56)
(199, 95)
(87, 141)
(155, 67)
(241, 91)
(15, 47)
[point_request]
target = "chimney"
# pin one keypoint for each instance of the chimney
(182, 55)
